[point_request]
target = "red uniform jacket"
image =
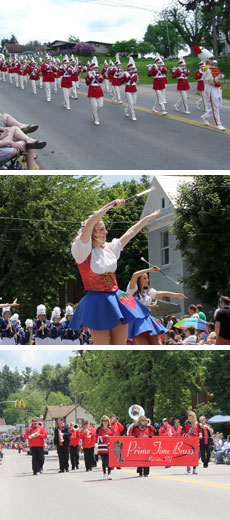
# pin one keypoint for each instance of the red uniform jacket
(118, 428)
(147, 431)
(36, 441)
(200, 84)
(88, 436)
(75, 438)
(166, 431)
(181, 75)
(93, 80)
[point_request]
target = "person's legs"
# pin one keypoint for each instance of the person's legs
(101, 337)
(11, 121)
(72, 456)
(119, 334)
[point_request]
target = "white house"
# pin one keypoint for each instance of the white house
(162, 242)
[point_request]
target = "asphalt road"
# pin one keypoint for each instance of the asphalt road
(168, 494)
(153, 142)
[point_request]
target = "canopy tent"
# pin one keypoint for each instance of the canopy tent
(216, 419)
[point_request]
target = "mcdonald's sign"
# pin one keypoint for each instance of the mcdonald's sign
(20, 404)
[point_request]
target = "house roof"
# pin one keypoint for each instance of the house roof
(59, 411)
(171, 183)
(13, 48)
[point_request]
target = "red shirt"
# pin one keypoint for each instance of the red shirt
(75, 438)
(118, 428)
(36, 441)
(88, 436)
(102, 437)
(167, 431)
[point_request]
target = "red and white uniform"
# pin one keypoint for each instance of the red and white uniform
(34, 75)
(202, 103)
(102, 438)
(88, 436)
(167, 431)
(214, 92)
(146, 431)
(117, 81)
(93, 81)
(75, 438)
(118, 428)
(178, 430)
(3, 70)
(34, 439)
(105, 75)
(159, 74)
(181, 73)
(66, 84)
(48, 78)
(130, 77)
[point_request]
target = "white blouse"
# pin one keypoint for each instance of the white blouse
(146, 298)
(103, 259)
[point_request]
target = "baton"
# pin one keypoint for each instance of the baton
(140, 194)
(169, 277)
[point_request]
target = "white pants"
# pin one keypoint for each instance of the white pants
(203, 101)
(74, 89)
(22, 82)
(55, 85)
(34, 85)
(215, 98)
(96, 105)
(159, 103)
(107, 85)
(131, 100)
(4, 76)
(164, 95)
(11, 77)
(182, 101)
(48, 90)
(16, 79)
(66, 97)
(117, 92)
(40, 81)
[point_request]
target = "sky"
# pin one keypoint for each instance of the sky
(98, 20)
(33, 358)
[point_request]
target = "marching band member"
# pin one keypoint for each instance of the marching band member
(159, 73)
(105, 310)
(205, 434)
(116, 425)
(117, 80)
(202, 103)
(36, 435)
(34, 75)
(3, 67)
(142, 429)
(166, 430)
(68, 333)
(111, 70)
(105, 74)
(181, 73)
(88, 436)
(164, 73)
(74, 445)
(48, 76)
(95, 93)
(212, 78)
(27, 337)
(62, 436)
(191, 429)
(66, 81)
(55, 327)
(131, 77)
(103, 433)
(75, 76)
(41, 325)
(146, 331)
(7, 329)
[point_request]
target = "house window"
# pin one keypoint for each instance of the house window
(97, 44)
(164, 247)
(162, 203)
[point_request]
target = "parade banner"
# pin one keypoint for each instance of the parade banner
(155, 451)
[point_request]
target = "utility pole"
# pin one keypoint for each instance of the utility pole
(75, 400)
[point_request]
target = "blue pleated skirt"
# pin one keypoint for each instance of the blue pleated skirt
(148, 324)
(103, 310)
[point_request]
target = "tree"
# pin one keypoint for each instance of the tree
(84, 49)
(125, 47)
(57, 398)
(73, 38)
(218, 379)
(9, 382)
(34, 43)
(144, 48)
(35, 246)
(190, 26)
(202, 229)
(111, 381)
(164, 38)
(206, 6)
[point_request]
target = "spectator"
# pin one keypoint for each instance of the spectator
(199, 309)
(223, 322)
(15, 138)
(6, 120)
(192, 311)
(190, 337)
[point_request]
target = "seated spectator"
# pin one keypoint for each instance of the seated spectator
(7, 153)
(170, 338)
(219, 447)
(190, 337)
(6, 120)
(15, 138)
(192, 311)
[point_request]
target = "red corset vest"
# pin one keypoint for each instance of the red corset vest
(105, 282)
